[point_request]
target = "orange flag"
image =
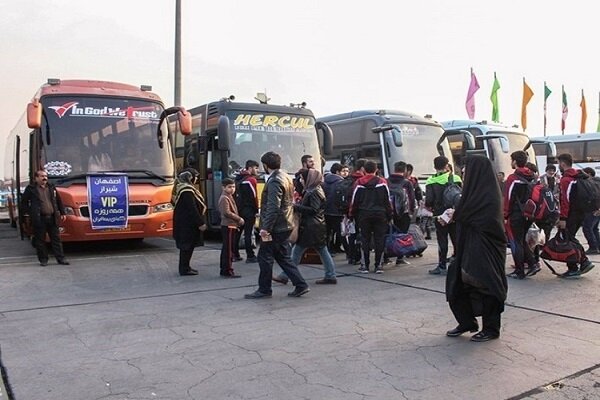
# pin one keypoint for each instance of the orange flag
(583, 112)
(527, 95)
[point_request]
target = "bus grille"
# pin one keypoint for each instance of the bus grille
(134, 210)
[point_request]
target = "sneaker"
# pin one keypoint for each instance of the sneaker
(438, 270)
(402, 261)
(586, 267)
(534, 269)
(279, 279)
(572, 273)
(378, 270)
(326, 281)
(251, 260)
(299, 291)
(363, 269)
(517, 274)
(591, 251)
(386, 261)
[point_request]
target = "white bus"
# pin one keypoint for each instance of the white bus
(584, 148)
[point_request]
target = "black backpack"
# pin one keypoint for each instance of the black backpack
(399, 199)
(342, 194)
(541, 205)
(587, 193)
(451, 194)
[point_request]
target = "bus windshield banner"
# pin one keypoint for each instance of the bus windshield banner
(108, 200)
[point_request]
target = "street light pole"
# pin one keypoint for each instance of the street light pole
(177, 99)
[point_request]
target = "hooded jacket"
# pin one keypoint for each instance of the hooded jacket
(567, 191)
(434, 191)
(371, 197)
(515, 191)
(245, 195)
(329, 188)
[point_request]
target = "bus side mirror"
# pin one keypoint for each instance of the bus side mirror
(504, 145)
(185, 121)
(469, 140)
(327, 137)
(34, 115)
(223, 132)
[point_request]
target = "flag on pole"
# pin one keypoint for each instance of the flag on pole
(470, 103)
(565, 110)
(547, 93)
(494, 98)
(583, 113)
(527, 95)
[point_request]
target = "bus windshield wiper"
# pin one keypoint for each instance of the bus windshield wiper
(144, 171)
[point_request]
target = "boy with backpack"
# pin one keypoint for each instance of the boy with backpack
(440, 194)
(516, 194)
(402, 198)
(577, 195)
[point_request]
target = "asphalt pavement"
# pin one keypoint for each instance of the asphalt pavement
(120, 323)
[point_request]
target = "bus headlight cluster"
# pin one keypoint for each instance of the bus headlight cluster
(69, 211)
(163, 207)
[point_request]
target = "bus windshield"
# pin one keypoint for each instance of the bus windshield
(419, 146)
(290, 136)
(516, 141)
(83, 135)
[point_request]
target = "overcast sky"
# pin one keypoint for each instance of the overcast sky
(337, 56)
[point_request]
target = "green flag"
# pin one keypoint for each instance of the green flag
(494, 98)
(547, 92)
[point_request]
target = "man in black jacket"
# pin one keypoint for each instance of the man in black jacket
(403, 200)
(43, 204)
(275, 227)
(371, 208)
(247, 204)
(333, 216)
(434, 201)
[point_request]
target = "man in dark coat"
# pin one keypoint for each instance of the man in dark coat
(247, 203)
(333, 216)
(188, 219)
(42, 203)
(476, 283)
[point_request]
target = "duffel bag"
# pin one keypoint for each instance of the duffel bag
(403, 244)
(562, 248)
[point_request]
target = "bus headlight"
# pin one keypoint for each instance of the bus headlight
(69, 211)
(163, 207)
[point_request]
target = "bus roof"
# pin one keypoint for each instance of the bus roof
(572, 138)
(384, 115)
(469, 123)
(98, 88)
(221, 106)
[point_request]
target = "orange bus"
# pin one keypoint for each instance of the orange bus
(77, 128)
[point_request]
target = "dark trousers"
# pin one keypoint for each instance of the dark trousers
(574, 222)
(442, 232)
(373, 228)
(516, 230)
(590, 230)
(353, 251)
(334, 232)
(48, 226)
(491, 309)
(278, 250)
(229, 236)
(247, 232)
(185, 257)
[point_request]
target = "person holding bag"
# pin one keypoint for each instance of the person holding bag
(476, 282)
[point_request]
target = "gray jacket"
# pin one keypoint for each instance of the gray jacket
(276, 211)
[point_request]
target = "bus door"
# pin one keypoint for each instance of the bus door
(545, 152)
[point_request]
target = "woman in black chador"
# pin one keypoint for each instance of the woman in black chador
(476, 282)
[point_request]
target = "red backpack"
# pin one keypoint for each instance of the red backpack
(541, 205)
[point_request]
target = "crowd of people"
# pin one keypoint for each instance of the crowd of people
(352, 211)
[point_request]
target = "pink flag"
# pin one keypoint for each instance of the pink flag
(470, 103)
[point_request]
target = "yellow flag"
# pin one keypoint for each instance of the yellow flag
(583, 113)
(527, 95)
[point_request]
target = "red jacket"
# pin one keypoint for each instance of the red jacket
(566, 187)
(515, 190)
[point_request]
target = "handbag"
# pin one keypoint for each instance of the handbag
(295, 228)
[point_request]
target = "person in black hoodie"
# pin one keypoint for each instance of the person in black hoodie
(370, 206)
(515, 196)
(402, 213)
(247, 204)
(476, 283)
(333, 216)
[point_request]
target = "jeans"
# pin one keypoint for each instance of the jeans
(328, 263)
(590, 230)
(278, 250)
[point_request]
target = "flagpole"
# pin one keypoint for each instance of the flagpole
(562, 120)
(545, 108)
